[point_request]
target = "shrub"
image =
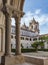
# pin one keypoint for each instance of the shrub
(43, 50)
(30, 50)
(35, 45)
(25, 50)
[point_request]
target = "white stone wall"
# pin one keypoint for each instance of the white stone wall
(26, 34)
(46, 45)
(25, 43)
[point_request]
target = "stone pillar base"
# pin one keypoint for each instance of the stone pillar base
(12, 60)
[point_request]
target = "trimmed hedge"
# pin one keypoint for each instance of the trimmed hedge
(40, 49)
(43, 50)
(25, 50)
(30, 50)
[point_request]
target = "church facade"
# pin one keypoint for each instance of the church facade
(28, 34)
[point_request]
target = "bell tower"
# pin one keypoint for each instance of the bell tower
(34, 26)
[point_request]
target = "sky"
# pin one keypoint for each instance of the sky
(39, 10)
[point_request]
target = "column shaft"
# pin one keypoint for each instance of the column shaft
(18, 45)
(8, 36)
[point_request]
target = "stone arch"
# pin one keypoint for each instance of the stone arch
(2, 31)
(17, 13)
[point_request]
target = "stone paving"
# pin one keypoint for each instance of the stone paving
(38, 54)
(25, 64)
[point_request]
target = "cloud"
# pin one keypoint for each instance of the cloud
(27, 18)
(38, 11)
(41, 18)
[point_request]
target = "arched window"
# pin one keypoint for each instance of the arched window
(30, 39)
(34, 39)
(27, 38)
(36, 26)
(32, 27)
(11, 36)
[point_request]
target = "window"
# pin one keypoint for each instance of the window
(22, 38)
(40, 38)
(32, 27)
(30, 39)
(15, 37)
(34, 39)
(36, 26)
(11, 36)
(27, 39)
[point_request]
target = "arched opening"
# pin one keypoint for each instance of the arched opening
(15, 30)
(13, 35)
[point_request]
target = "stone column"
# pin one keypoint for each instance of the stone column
(18, 45)
(8, 35)
(8, 2)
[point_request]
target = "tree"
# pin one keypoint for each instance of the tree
(41, 43)
(45, 38)
(35, 45)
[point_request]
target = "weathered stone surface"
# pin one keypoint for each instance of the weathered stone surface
(12, 60)
(36, 60)
(8, 34)
(2, 18)
(25, 63)
(8, 11)
(2, 32)
(18, 45)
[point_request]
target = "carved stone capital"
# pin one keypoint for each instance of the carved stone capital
(9, 10)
